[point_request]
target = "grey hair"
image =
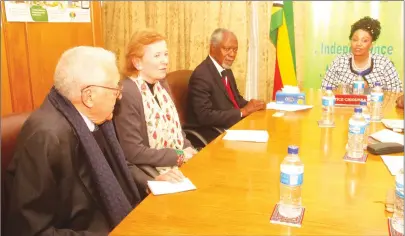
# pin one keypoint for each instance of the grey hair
(217, 35)
(81, 66)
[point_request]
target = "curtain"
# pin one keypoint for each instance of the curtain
(188, 27)
(253, 55)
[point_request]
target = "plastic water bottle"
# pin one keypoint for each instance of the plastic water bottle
(291, 178)
(377, 98)
(358, 86)
(357, 126)
(328, 106)
(398, 217)
(366, 115)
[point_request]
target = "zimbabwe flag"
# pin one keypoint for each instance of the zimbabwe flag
(282, 37)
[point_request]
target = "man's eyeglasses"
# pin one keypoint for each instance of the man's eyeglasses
(227, 50)
(118, 89)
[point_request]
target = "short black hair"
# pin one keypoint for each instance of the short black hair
(372, 26)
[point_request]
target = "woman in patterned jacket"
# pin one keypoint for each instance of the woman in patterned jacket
(146, 121)
(360, 62)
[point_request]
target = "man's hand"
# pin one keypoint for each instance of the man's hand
(259, 104)
(252, 106)
(400, 101)
(189, 153)
(173, 175)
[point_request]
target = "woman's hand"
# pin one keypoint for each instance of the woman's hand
(189, 153)
(173, 175)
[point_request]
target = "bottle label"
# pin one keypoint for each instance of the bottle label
(292, 175)
(377, 97)
(328, 101)
(358, 84)
(399, 193)
(399, 187)
(357, 129)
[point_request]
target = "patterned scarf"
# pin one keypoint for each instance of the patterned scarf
(163, 123)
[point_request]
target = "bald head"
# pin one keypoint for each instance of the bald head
(224, 47)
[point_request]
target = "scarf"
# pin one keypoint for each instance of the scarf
(163, 123)
(112, 196)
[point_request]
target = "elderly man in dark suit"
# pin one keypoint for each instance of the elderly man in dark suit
(68, 175)
(213, 96)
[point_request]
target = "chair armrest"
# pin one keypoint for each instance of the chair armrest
(219, 130)
(196, 134)
(193, 127)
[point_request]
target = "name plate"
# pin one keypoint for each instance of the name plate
(349, 99)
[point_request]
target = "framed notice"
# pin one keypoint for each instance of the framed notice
(47, 11)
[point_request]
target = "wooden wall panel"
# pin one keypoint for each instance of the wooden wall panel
(17, 63)
(46, 43)
(97, 24)
(33, 49)
(6, 105)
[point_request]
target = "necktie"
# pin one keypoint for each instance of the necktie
(95, 128)
(228, 89)
(223, 74)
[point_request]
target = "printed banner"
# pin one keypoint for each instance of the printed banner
(47, 11)
(327, 30)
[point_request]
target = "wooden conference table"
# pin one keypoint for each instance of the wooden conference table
(238, 183)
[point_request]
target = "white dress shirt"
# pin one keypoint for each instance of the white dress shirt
(219, 68)
(88, 122)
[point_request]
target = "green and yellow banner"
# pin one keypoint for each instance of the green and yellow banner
(327, 29)
(283, 38)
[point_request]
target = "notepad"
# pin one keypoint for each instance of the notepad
(166, 187)
(393, 123)
(260, 136)
(393, 163)
(388, 136)
(286, 107)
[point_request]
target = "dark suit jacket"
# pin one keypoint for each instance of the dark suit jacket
(130, 125)
(49, 182)
(208, 101)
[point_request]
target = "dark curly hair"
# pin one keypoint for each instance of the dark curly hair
(372, 26)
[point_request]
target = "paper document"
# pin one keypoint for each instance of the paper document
(250, 147)
(388, 136)
(260, 136)
(393, 124)
(166, 187)
(286, 107)
(394, 163)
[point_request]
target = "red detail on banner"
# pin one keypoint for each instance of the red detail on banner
(278, 82)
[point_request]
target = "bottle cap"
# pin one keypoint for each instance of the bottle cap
(292, 149)
(377, 84)
(328, 87)
(358, 110)
(363, 103)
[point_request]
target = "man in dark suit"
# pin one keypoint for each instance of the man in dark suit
(213, 96)
(68, 175)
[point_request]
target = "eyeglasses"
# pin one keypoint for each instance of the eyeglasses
(227, 50)
(118, 89)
